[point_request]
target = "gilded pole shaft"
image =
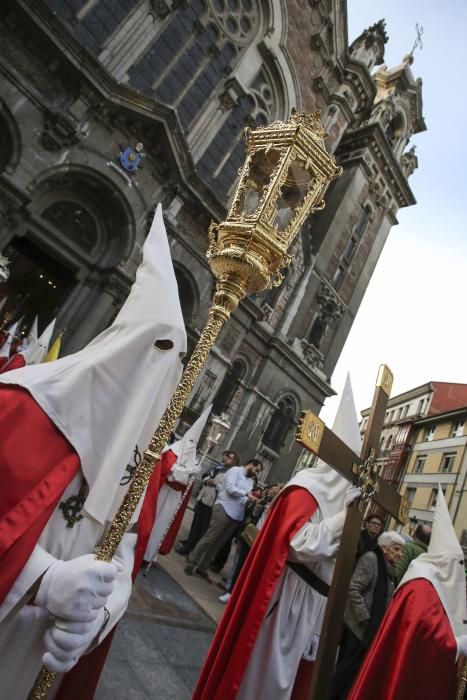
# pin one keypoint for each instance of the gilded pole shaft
(462, 682)
(228, 294)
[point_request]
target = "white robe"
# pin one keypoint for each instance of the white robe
(168, 503)
(296, 613)
(22, 626)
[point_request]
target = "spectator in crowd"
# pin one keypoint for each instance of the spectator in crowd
(222, 556)
(246, 537)
(368, 541)
(370, 590)
(205, 501)
(229, 510)
(412, 550)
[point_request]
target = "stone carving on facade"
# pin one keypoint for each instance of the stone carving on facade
(161, 8)
(369, 46)
(231, 95)
(409, 162)
(311, 355)
(61, 131)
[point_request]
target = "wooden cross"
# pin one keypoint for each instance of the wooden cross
(361, 471)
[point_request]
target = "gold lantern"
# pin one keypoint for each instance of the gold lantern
(283, 179)
(282, 182)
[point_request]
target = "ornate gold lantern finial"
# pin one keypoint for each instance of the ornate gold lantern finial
(283, 179)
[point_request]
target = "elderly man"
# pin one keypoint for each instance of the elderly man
(371, 588)
(228, 512)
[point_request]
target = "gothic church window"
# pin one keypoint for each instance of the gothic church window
(228, 387)
(338, 277)
(317, 332)
(363, 220)
(197, 48)
(280, 424)
(224, 156)
(92, 21)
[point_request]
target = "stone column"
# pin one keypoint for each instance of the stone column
(104, 297)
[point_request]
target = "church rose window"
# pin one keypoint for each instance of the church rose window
(72, 219)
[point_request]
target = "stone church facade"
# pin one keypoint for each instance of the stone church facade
(89, 86)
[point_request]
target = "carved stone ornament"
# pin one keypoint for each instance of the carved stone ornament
(60, 132)
(311, 355)
(161, 8)
(331, 308)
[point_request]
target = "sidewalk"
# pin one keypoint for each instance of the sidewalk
(204, 593)
(162, 640)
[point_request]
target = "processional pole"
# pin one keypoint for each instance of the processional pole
(283, 179)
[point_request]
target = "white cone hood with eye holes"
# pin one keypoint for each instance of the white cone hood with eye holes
(112, 394)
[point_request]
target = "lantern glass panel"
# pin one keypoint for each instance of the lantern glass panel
(293, 192)
(262, 165)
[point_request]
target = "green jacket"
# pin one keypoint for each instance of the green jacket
(411, 550)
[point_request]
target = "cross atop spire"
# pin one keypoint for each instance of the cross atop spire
(418, 42)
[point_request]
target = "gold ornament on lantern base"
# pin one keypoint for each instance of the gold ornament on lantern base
(286, 172)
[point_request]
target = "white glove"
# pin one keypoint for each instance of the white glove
(351, 495)
(462, 645)
(65, 642)
(77, 589)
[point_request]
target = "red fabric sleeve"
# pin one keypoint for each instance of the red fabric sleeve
(230, 649)
(413, 656)
(37, 464)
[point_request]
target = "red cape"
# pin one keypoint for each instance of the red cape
(15, 362)
(413, 656)
(171, 534)
(81, 682)
(230, 649)
(37, 464)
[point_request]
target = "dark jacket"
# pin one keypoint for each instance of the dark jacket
(362, 587)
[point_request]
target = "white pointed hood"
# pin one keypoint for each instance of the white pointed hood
(37, 349)
(185, 448)
(112, 394)
(6, 347)
(443, 566)
(322, 481)
(34, 332)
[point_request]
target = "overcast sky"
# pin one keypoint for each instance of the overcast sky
(413, 315)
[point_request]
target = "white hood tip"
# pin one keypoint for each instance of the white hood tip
(322, 481)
